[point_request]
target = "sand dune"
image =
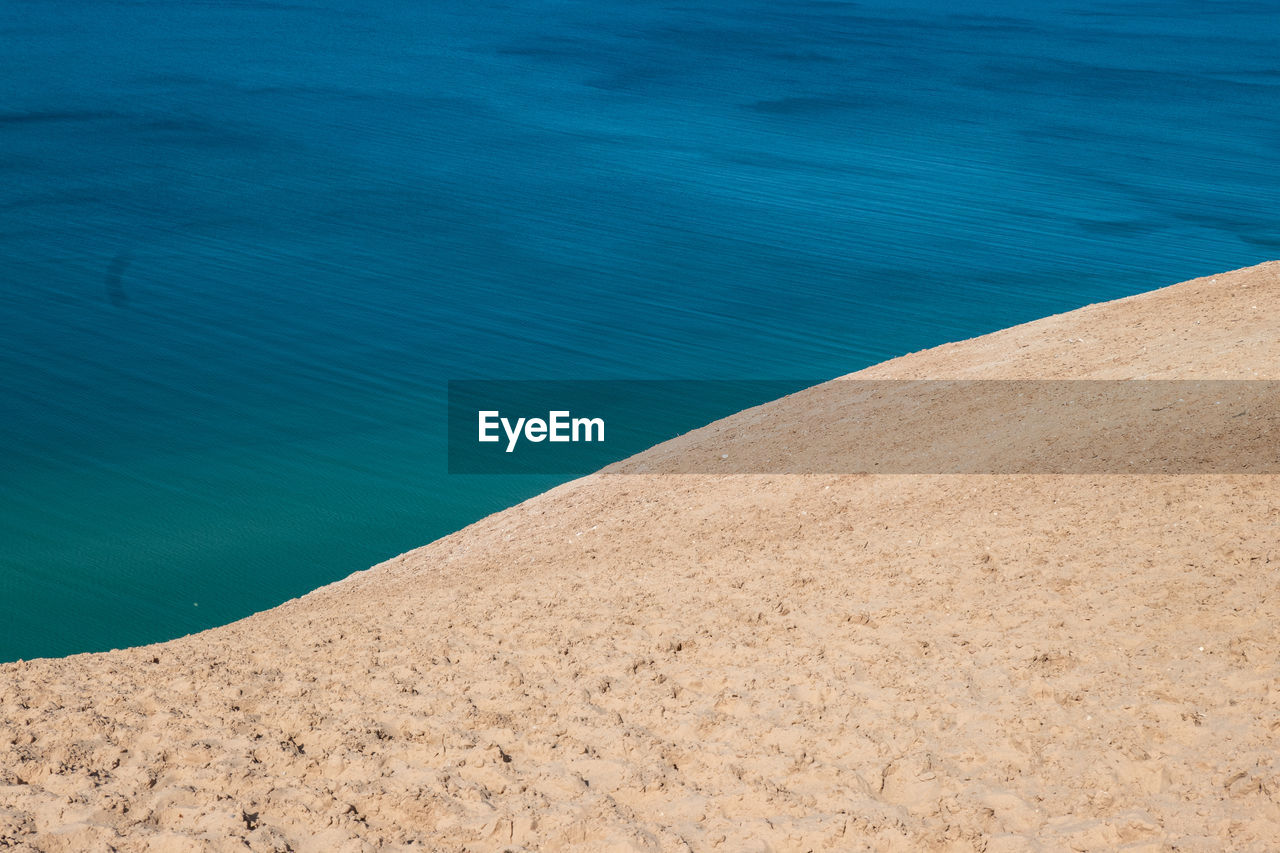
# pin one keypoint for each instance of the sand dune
(641, 662)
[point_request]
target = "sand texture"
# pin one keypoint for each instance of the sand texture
(637, 662)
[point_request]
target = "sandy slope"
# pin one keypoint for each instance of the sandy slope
(802, 662)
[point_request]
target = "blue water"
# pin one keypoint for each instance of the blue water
(243, 244)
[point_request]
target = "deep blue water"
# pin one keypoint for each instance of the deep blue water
(243, 244)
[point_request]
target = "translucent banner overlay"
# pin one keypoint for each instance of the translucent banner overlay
(854, 426)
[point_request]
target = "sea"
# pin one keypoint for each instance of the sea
(245, 244)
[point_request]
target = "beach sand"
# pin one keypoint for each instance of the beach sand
(640, 662)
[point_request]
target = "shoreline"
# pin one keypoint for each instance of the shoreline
(642, 662)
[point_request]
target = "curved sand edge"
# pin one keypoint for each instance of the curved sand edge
(735, 663)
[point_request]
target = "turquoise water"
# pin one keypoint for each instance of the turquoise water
(244, 244)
